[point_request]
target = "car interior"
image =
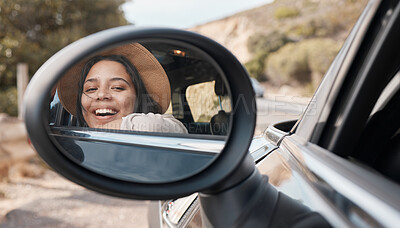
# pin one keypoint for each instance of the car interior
(379, 146)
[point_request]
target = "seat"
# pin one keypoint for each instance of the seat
(389, 162)
(219, 123)
(379, 145)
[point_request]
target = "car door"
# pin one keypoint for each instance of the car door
(305, 162)
(321, 161)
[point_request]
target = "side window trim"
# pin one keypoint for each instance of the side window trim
(392, 87)
(310, 125)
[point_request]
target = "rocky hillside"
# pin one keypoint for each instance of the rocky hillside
(299, 19)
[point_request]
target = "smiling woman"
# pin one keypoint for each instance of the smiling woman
(117, 85)
(108, 94)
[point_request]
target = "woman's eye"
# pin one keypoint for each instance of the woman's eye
(90, 90)
(118, 88)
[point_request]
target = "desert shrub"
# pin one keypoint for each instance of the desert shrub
(9, 101)
(286, 12)
(304, 30)
(256, 66)
(262, 46)
(267, 43)
(320, 56)
(309, 29)
(321, 53)
(303, 62)
(323, 27)
(289, 64)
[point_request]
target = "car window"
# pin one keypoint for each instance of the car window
(379, 145)
(207, 104)
(58, 115)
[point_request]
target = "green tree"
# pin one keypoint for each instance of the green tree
(8, 101)
(33, 30)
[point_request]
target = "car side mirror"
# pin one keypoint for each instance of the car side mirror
(73, 99)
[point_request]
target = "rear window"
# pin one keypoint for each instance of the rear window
(204, 103)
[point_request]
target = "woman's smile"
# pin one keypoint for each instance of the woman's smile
(105, 112)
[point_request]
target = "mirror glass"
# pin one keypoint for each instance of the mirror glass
(145, 111)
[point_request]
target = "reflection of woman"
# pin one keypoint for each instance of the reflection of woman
(123, 88)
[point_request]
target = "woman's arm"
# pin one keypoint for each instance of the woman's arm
(152, 123)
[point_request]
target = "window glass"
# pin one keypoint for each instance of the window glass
(380, 140)
(204, 103)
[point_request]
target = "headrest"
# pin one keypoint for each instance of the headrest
(219, 123)
(220, 88)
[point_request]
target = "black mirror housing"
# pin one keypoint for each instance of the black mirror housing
(230, 158)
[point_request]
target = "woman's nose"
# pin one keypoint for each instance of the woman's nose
(103, 94)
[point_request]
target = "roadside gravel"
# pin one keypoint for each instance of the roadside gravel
(33, 196)
(52, 201)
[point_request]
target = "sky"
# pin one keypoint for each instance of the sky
(183, 13)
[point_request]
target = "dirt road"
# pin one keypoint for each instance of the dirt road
(33, 196)
(52, 201)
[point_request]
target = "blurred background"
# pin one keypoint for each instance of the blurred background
(286, 46)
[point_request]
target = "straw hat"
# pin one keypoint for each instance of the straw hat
(150, 70)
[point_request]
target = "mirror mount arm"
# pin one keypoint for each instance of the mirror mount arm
(243, 171)
(251, 201)
(229, 207)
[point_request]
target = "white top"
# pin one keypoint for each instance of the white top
(164, 123)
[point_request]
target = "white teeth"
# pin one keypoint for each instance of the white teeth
(105, 111)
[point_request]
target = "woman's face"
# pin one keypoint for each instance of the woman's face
(108, 94)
